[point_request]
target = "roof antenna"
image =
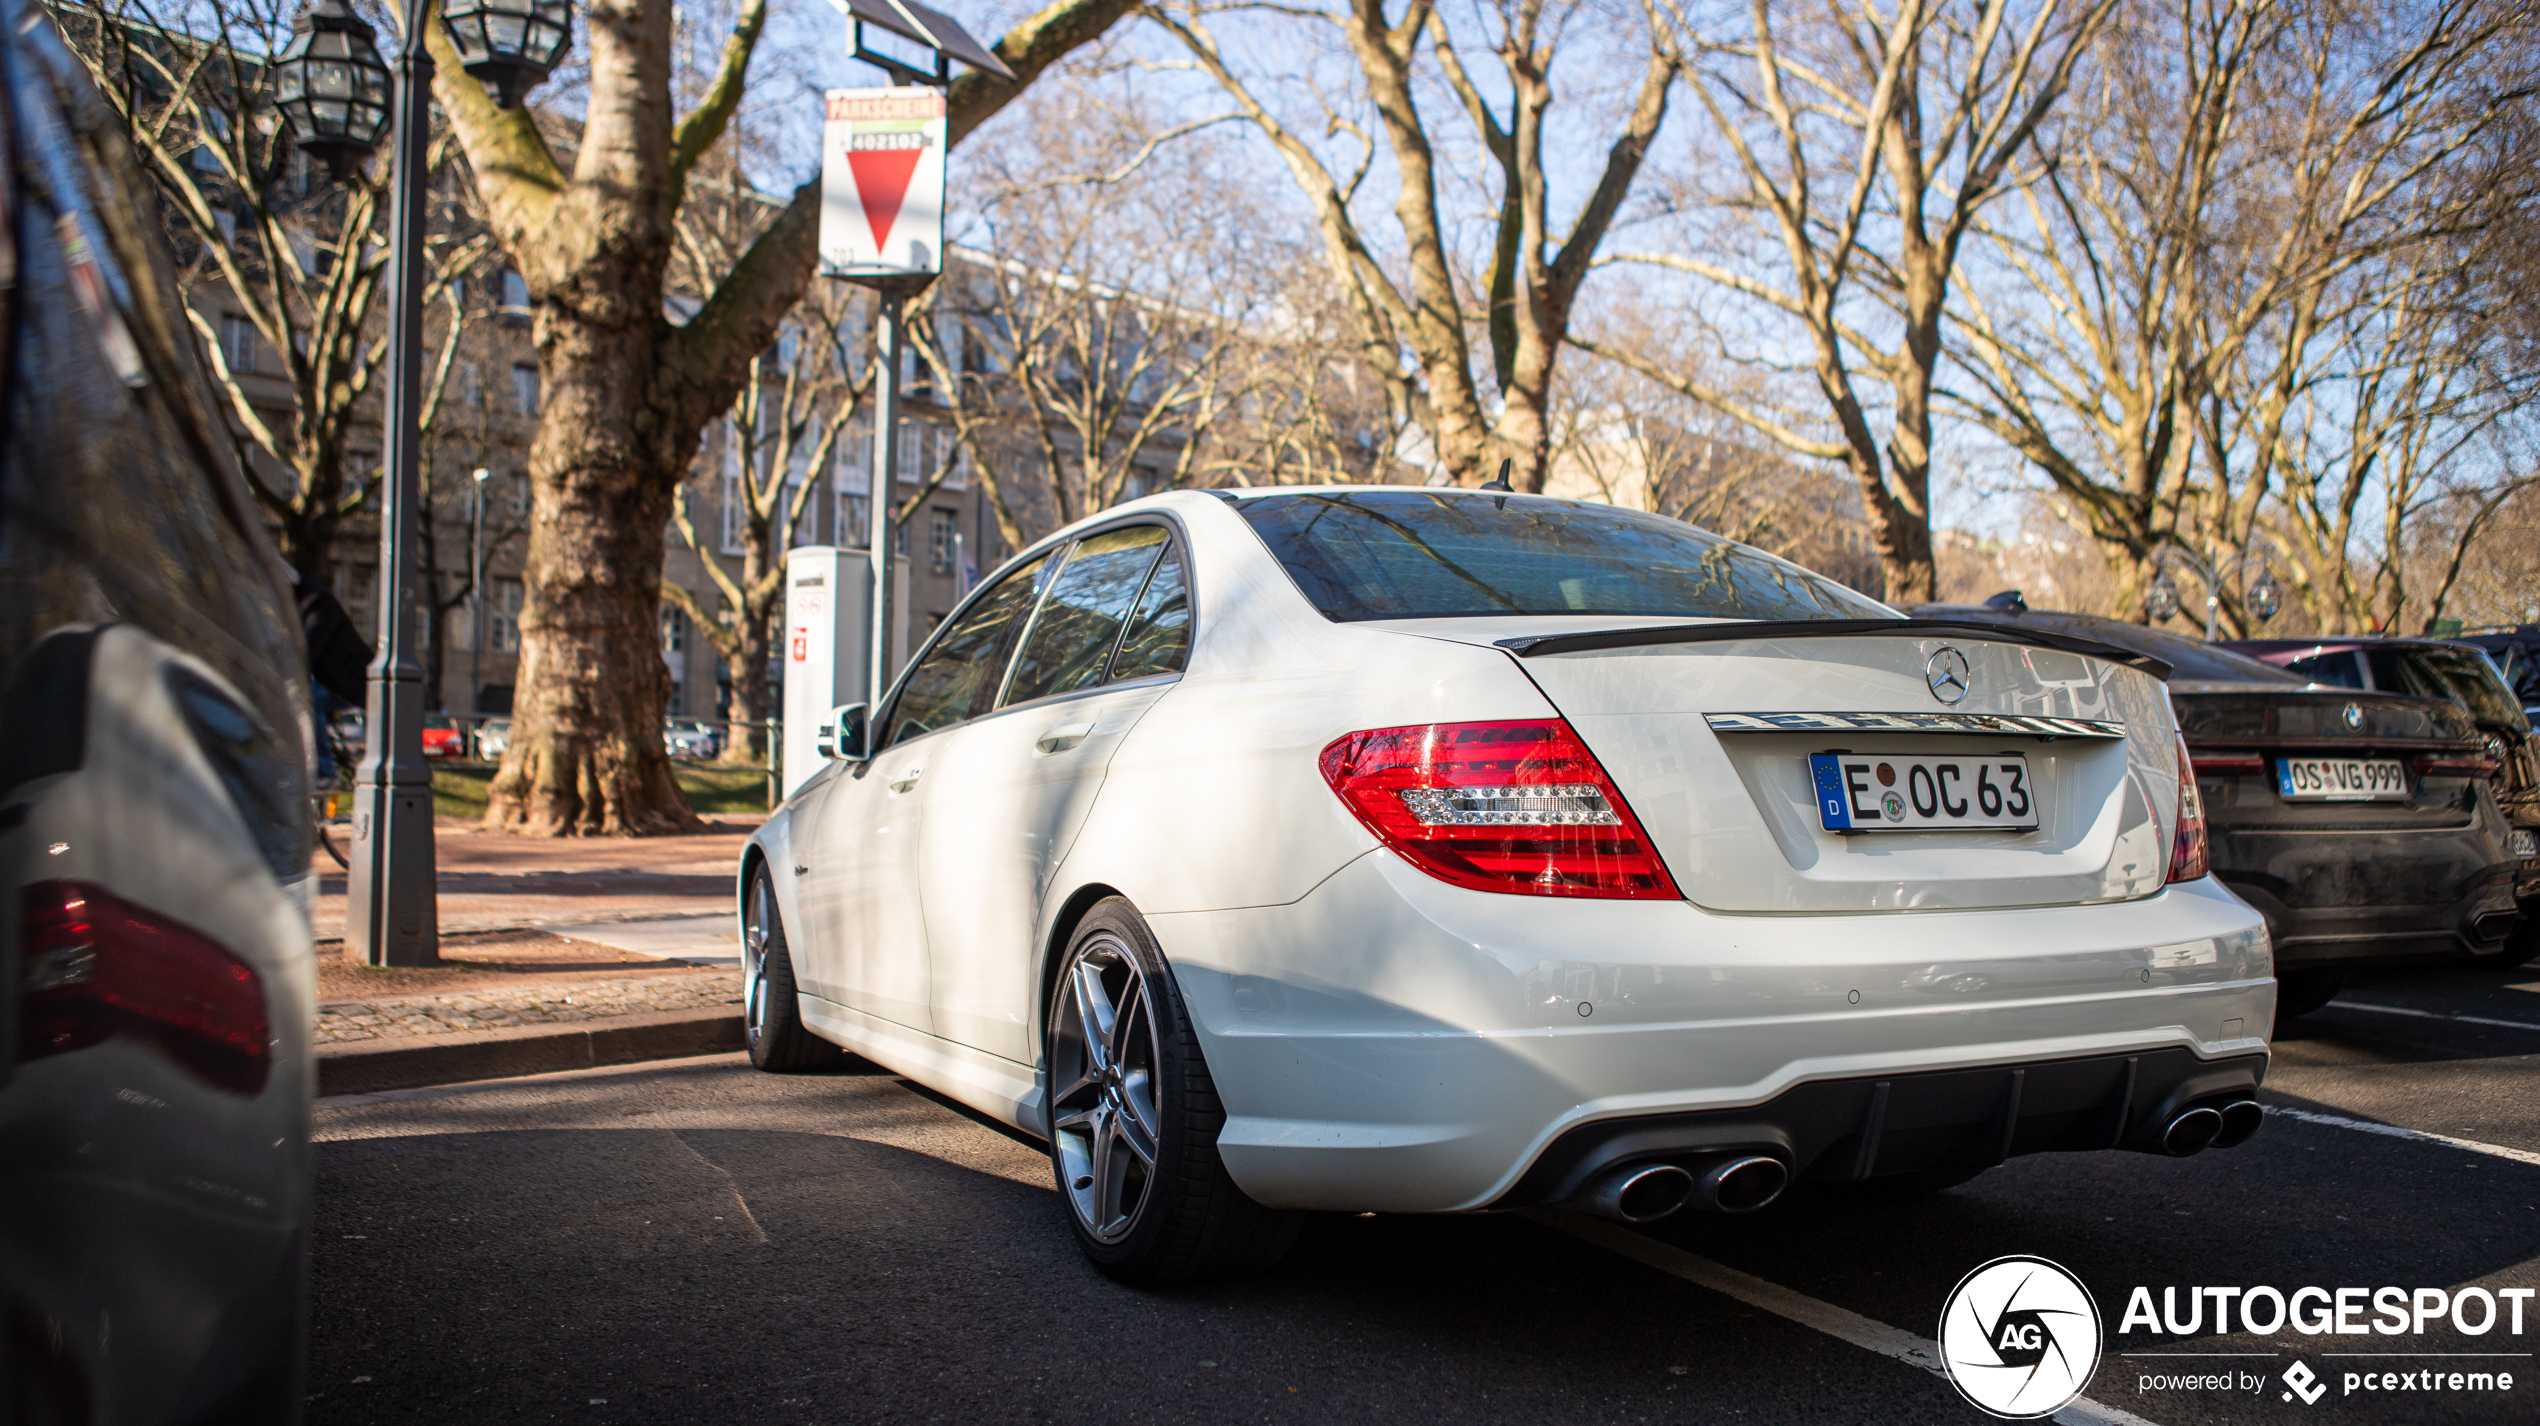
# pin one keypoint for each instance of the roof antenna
(1501, 483)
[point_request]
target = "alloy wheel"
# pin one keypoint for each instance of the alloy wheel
(1104, 1053)
(754, 938)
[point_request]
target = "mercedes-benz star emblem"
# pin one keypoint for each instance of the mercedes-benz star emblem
(2354, 716)
(1946, 674)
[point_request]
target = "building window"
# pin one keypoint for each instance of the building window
(735, 511)
(460, 631)
(525, 389)
(674, 630)
(471, 378)
(855, 521)
(943, 539)
(520, 496)
(238, 343)
(504, 616)
(515, 293)
(227, 223)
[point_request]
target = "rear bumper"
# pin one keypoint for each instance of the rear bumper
(1831, 1131)
(2353, 900)
(1389, 1042)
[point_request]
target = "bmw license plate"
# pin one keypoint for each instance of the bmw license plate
(2341, 779)
(1888, 793)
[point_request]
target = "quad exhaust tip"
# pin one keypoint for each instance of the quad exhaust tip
(1641, 1193)
(2192, 1132)
(1742, 1185)
(1645, 1193)
(2240, 1119)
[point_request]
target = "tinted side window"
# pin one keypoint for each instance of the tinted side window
(1073, 632)
(2337, 670)
(1160, 636)
(959, 674)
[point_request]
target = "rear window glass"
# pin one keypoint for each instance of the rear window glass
(2461, 674)
(1431, 554)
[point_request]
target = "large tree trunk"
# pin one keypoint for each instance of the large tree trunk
(627, 394)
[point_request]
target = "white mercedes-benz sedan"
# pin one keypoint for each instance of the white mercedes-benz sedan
(1422, 850)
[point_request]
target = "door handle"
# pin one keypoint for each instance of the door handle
(1059, 737)
(907, 778)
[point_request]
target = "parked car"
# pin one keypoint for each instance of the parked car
(442, 736)
(690, 738)
(2362, 822)
(493, 736)
(158, 989)
(2437, 668)
(1426, 850)
(2517, 655)
(352, 732)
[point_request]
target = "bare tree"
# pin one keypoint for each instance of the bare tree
(2236, 237)
(1840, 105)
(628, 390)
(1415, 332)
(299, 255)
(776, 445)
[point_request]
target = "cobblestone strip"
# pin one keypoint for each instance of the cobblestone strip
(347, 1020)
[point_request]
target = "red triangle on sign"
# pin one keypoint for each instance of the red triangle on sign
(881, 180)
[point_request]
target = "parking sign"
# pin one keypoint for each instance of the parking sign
(882, 183)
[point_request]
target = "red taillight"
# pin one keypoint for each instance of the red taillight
(1520, 807)
(2461, 766)
(2190, 858)
(2208, 763)
(95, 966)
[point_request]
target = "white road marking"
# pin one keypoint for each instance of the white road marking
(1860, 1331)
(2393, 1131)
(2380, 1009)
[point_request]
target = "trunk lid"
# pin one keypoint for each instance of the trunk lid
(1709, 741)
(2237, 732)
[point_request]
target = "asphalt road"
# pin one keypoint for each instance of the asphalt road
(697, 1242)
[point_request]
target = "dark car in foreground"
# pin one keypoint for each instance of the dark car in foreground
(2361, 823)
(155, 972)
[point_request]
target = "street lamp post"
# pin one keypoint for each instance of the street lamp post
(329, 84)
(2262, 596)
(476, 595)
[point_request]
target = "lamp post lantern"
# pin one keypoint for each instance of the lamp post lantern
(332, 87)
(328, 83)
(510, 46)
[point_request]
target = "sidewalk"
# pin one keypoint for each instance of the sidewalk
(556, 952)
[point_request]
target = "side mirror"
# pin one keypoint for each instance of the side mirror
(842, 732)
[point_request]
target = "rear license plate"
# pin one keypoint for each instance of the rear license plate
(1887, 793)
(2341, 779)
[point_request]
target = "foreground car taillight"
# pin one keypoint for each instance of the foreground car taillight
(2189, 856)
(1519, 806)
(95, 966)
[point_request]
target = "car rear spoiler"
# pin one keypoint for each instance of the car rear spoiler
(1745, 629)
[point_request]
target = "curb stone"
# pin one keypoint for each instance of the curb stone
(368, 1066)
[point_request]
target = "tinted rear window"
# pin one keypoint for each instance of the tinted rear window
(1431, 554)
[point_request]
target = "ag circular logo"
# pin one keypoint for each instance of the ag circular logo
(1945, 673)
(2020, 1337)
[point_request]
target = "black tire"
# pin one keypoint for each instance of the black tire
(2298, 993)
(771, 1018)
(1132, 1105)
